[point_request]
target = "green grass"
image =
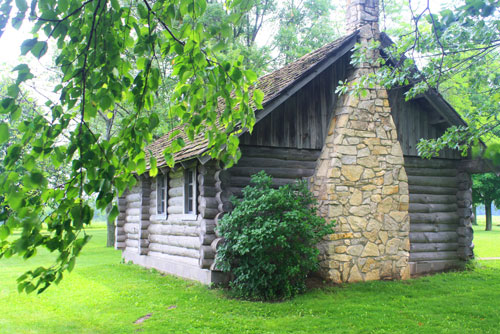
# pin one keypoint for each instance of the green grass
(487, 243)
(103, 296)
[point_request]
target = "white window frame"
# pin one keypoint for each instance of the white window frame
(193, 187)
(163, 212)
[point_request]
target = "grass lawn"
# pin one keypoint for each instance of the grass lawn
(104, 296)
(487, 243)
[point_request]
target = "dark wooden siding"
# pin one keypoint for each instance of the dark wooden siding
(416, 119)
(302, 120)
(285, 165)
(434, 218)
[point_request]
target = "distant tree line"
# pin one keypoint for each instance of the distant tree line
(486, 190)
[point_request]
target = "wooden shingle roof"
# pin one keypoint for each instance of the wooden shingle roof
(273, 85)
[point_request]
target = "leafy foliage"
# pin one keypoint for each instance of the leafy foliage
(303, 26)
(272, 33)
(269, 240)
(486, 188)
(108, 53)
(457, 52)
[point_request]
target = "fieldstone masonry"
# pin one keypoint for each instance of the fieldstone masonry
(360, 180)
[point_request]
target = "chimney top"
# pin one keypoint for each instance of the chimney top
(361, 15)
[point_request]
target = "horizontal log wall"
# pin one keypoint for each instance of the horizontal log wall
(301, 121)
(133, 216)
(465, 231)
(434, 214)
(223, 195)
(208, 206)
(145, 204)
(174, 236)
(416, 119)
(120, 235)
(285, 165)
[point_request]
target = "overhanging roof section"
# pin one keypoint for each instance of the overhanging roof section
(277, 87)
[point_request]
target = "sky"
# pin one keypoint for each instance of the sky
(11, 40)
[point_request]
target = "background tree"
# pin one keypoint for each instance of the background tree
(304, 26)
(272, 33)
(486, 190)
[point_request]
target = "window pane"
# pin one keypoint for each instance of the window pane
(161, 194)
(189, 191)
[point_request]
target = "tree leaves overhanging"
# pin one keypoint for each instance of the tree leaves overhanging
(108, 52)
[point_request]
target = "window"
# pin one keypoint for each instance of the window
(161, 194)
(190, 191)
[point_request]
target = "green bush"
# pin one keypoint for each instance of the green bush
(269, 240)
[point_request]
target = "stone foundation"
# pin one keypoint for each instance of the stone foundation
(360, 179)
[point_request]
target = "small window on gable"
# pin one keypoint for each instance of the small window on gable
(190, 191)
(161, 194)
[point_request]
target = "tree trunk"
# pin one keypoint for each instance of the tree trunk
(110, 223)
(487, 208)
(474, 214)
(111, 228)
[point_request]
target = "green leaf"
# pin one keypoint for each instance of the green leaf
(236, 75)
(27, 45)
(33, 8)
(21, 286)
(142, 63)
(13, 91)
(113, 213)
(17, 21)
(39, 49)
(219, 46)
(71, 264)
(105, 102)
(37, 178)
(22, 5)
(115, 4)
(196, 120)
(143, 12)
(62, 5)
(202, 6)
(4, 133)
(29, 288)
(153, 170)
(21, 68)
(141, 166)
(177, 144)
(4, 232)
(250, 75)
(258, 96)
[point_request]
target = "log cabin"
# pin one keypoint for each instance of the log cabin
(396, 214)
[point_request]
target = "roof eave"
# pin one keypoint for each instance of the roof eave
(295, 86)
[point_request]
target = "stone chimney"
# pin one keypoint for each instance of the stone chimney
(361, 13)
(360, 178)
